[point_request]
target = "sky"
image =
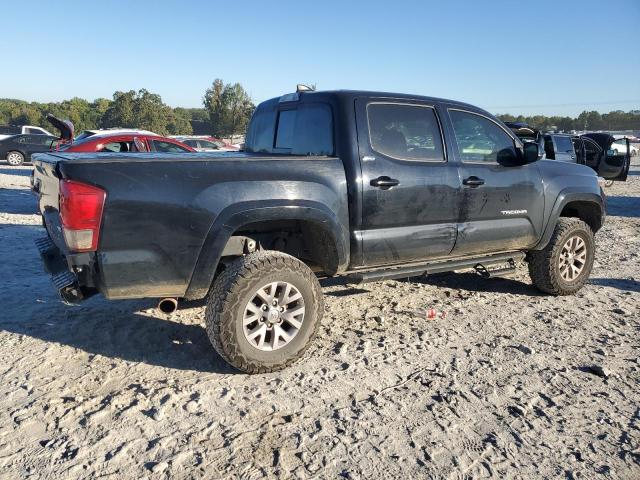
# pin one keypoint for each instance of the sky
(540, 57)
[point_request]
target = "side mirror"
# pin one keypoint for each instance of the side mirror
(531, 152)
(611, 153)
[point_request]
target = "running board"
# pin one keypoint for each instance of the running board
(477, 263)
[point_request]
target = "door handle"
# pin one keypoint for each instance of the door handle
(384, 182)
(473, 181)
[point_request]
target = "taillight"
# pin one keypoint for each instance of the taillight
(81, 212)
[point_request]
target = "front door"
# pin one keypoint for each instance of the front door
(410, 192)
(502, 206)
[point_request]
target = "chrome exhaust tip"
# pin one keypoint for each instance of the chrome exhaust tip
(168, 305)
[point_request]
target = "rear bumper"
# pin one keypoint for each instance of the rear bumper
(71, 287)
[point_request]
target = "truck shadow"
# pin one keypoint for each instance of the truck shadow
(619, 283)
(623, 206)
(472, 282)
(121, 334)
(18, 201)
(22, 172)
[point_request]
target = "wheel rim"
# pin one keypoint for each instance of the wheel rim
(573, 258)
(14, 158)
(273, 317)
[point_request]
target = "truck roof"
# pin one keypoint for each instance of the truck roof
(352, 94)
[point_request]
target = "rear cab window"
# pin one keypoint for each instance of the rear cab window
(292, 128)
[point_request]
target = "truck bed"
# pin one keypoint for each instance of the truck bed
(160, 209)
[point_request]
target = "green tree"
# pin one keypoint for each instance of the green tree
(142, 109)
(229, 107)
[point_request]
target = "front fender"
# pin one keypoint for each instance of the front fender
(238, 215)
(565, 197)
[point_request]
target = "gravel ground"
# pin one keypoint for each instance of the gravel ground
(510, 384)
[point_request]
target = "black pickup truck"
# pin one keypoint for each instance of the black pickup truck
(365, 185)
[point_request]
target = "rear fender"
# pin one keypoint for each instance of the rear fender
(234, 217)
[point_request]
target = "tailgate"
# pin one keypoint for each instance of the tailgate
(46, 185)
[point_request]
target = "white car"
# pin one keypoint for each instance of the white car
(620, 146)
(10, 130)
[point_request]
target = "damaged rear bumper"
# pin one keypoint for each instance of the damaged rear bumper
(63, 272)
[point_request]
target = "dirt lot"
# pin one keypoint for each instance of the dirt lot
(510, 384)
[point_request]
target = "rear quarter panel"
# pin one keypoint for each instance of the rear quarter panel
(161, 208)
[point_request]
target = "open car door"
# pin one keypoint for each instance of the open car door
(610, 165)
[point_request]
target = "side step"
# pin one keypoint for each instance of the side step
(417, 270)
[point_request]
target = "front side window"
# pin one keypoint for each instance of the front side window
(405, 132)
(115, 147)
(35, 131)
(479, 139)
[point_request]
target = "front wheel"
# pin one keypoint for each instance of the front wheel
(15, 158)
(263, 311)
(564, 265)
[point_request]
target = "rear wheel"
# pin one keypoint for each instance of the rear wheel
(564, 265)
(263, 311)
(15, 158)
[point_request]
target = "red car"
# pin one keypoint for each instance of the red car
(126, 142)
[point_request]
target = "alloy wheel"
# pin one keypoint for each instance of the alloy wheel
(273, 316)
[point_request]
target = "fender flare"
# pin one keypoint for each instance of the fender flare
(237, 215)
(565, 197)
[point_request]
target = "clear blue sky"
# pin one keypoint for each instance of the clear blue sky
(536, 56)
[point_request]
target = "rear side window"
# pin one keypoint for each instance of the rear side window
(167, 147)
(307, 130)
(480, 139)
(35, 131)
(406, 132)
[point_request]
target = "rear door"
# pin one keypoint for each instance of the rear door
(410, 191)
(502, 205)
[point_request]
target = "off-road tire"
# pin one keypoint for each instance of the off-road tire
(544, 268)
(15, 158)
(229, 295)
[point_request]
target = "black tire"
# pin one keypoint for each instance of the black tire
(15, 158)
(544, 268)
(236, 286)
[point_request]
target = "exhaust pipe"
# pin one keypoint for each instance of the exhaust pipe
(168, 305)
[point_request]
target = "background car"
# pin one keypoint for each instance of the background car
(17, 149)
(107, 131)
(206, 144)
(126, 142)
(10, 130)
(620, 146)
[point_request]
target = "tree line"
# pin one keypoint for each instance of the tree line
(226, 111)
(616, 120)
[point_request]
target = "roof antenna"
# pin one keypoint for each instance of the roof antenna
(301, 87)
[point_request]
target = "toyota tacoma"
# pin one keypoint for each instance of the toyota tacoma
(365, 185)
